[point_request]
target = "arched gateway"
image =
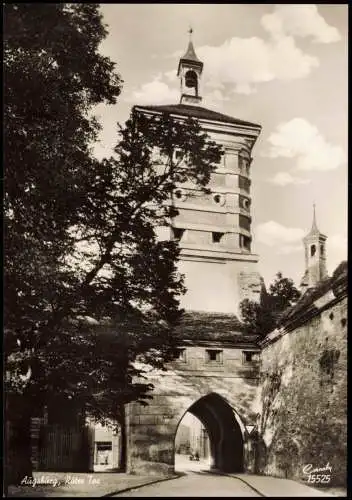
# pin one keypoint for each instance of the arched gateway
(216, 379)
(225, 435)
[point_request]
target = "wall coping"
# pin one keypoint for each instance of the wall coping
(324, 302)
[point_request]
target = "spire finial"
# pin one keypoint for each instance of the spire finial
(190, 31)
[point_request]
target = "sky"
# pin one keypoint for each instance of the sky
(281, 66)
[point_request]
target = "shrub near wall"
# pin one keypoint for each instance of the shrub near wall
(304, 399)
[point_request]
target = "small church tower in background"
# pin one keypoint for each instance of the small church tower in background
(315, 256)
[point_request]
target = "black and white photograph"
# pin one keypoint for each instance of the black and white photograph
(175, 190)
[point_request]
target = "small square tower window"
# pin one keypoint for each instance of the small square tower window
(249, 356)
(214, 356)
(177, 233)
(216, 237)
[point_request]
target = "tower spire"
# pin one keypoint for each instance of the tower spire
(314, 229)
(314, 225)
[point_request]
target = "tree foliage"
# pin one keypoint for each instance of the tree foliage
(262, 317)
(89, 287)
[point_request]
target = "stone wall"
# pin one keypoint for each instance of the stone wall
(304, 393)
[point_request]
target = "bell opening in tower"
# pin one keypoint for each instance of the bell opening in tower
(192, 80)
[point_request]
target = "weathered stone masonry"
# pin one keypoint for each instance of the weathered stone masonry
(293, 388)
(304, 387)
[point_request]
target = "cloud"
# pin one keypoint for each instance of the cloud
(338, 242)
(336, 250)
(171, 76)
(155, 92)
(216, 98)
(285, 178)
(300, 21)
(299, 139)
(287, 249)
(273, 234)
(214, 84)
(243, 62)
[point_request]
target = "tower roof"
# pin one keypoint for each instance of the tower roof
(197, 112)
(314, 229)
(190, 56)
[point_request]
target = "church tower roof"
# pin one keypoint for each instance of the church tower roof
(190, 57)
(314, 232)
(190, 54)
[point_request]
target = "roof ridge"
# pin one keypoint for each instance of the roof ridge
(212, 114)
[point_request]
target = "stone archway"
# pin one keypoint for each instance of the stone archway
(225, 435)
(152, 431)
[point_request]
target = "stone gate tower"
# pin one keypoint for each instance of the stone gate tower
(216, 373)
(214, 230)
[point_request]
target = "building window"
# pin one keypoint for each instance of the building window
(312, 250)
(244, 203)
(214, 356)
(248, 357)
(219, 199)
(181, 355)
(245, 242)
(216, 237)
(177, 233)
(322, 249)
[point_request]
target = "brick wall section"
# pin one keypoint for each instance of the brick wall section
(304, 393)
